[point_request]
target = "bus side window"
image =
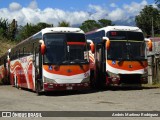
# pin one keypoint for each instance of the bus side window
(13, 55)
(29, 49)
(24, 51)
(19, 53)
(16, 54)
(4, 63)
(33, 48)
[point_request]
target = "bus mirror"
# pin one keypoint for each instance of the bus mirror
(42, 47)
(92, 47)
(149, 44)
(107, 42)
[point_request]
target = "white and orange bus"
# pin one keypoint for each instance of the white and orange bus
(52, 59)
(118, 56)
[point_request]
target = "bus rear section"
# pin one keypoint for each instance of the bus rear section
(53, 59)
(119, 54)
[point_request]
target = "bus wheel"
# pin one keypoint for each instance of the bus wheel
(92, 80)
(38, 88)
(14, 82)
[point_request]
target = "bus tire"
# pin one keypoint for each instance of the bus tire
(92, 80)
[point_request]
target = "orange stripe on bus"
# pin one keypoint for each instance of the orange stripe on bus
(76, 43)
(128, 65)
(67, 70)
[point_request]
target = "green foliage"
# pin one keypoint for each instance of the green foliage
(8, 30)
(4, 27)
(90, 25)
(12, 29)
(42, 25)
(6, 44)
(29, 30)
(63, 24)
(104, 22)
(148, 15)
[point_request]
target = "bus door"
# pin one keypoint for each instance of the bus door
(37, 62)
(8, 69)
(100, 65)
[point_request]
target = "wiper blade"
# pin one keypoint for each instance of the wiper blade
(121, 60)
(78, 61)
(66, 61)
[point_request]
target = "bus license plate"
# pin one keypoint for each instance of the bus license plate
(69, 88)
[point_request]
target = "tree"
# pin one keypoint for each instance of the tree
(90, 25)
(105, 22)
(42, 25)
(8, 30)
(63, 24)
(147, 16)
(12, 29)
(29, 30)
(4, 27)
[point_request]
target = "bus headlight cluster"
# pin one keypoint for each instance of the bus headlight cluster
(87, 79)
(145, 74)
(113, 75)
(48, 80)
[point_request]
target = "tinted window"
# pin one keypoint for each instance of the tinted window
(126, 50)
(96, 36)
(125, 35)
(72, 37)
(55, 48)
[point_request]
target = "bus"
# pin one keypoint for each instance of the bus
(118, 56)
(55, 58)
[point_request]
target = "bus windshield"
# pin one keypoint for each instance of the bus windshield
(63, 48)
(126, 46)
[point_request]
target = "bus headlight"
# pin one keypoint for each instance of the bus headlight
(113, 75)
(48, 80)
(87, 79)
(145, 74)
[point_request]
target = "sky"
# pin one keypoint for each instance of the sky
(73, 11)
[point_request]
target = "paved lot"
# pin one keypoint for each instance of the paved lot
(146, 99)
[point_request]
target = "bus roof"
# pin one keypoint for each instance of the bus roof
(61, 30)
(53, 30)
(121, 28)
(117, 28)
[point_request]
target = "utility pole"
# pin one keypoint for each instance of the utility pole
(154, 59)
(152, 28)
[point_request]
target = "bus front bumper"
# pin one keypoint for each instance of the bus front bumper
(62, 87)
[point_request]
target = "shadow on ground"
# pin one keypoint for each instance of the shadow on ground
(89, 91)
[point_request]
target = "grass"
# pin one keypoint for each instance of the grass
(5, 45)
(152, 85)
